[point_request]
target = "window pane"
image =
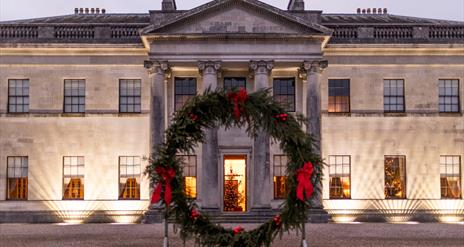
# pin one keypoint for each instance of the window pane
(395, 177)
(284, 93)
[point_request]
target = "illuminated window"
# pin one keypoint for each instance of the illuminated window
(450, 176)
(339, 176)
(17, 178)
(234, 82)
(339, 95)
(280, 166)
(73, 178)
(395, 177)
(74, 96)
(393, 99)
(18, 96)
(185, 89)
(130, 96)
(129, 177)
(284, 93)
(190, 175)
(448, 95)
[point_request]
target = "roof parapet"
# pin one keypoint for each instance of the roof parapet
(375, 11)
(87, 11)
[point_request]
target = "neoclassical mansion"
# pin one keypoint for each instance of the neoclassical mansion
(85, 97)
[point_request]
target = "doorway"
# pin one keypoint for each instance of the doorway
(235, 183)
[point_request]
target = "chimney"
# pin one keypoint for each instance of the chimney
(97, 10)
(296, 5)
(385, 11)
(103, 11)
(359, 11)
(168, 5)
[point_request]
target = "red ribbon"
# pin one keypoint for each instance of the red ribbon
(167, 174)
(238, 98)
(281, 117)
(237, 230)
(194, 214)
(277, 220)
(303, 176)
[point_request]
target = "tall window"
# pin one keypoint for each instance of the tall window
(17, 178)
(449, 95)
(185, 89)
(339, 95)
(339, 176)
(130, 96)
(74, 96)
(284, 92)
(280, 166)
(450, 176)
(234, 82)
(129, 177)
(395, 177)
(190, 175)
(18, 96)
(393, 99)
(73, 178)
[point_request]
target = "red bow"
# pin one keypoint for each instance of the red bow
(238, 230)
(303, 176)
(282, 117)
(167, 174)
(277, 220)
(194, 214)
(238, 98)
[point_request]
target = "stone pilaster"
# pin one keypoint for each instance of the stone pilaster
(209, 196)
(261, 185)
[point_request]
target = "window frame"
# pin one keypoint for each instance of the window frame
(341, 175)
(175, 90)
(120, 104)
(459, 177)
(139, 176)
(7, 196)
(64, 177)
(274, 94)
(16, 96)
(236, 78)
(403, 96)
(405, 197)
(284, 166)
(449, 96)
(349, 96)
(74, 96)
(195, 157)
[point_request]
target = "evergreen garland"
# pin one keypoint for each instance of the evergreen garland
(258, 112)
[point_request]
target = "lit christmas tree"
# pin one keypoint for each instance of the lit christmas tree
(232, 196)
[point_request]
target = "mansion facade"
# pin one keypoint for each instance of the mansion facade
(84, 98)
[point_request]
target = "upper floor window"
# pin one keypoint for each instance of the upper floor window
(448, 95)
(234, 82)
(74, 96)
(339, 95)
(284, 92)
(395, 177)
(17, 178)
(190, 175)
(280, 166)
(18, 96)
(339, 176)
(185, 89)
(450, 176)
(129, 177)
(130, 96)
(393, 99)
(73, 177)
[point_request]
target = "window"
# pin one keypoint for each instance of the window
(18, 96)
(234, 82)
(284, 93)
(449, 95)
(129, 177)
(73, 178)
(395, 177)
(339, 176)
(130, 96)
(393, 99)
(185, 89)
(190, 175)
(74, 96)
(17, 178)
(280, 166)
(339, 95)
(450, 176)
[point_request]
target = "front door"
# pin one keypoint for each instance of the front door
(235, 197)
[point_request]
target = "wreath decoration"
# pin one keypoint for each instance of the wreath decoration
(257, 112)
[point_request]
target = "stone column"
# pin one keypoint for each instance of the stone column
(159, 71)
(313, 72)
(261, 180)
(209, 196)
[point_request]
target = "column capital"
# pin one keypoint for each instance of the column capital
(157, 67)
(261, 67)
(209, 67)
(312, 67)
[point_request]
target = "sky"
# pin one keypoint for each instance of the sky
(25, 9)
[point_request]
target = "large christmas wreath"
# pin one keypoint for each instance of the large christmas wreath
(257, 112)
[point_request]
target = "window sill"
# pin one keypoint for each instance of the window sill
(450, 114)
(395, 114)
(68, 114)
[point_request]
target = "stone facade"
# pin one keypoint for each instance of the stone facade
(218, 40)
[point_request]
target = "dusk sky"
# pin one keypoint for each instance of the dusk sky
(23, 9)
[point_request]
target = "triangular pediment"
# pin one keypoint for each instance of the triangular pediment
(236, 17)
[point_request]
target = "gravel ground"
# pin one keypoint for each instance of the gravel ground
(368, 234)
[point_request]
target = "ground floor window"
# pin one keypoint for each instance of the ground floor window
(17, 173)
(450, 176)
(280, 164)
(190, 175)
(395, 177)
(129, 178)
(339, 176)
(73, 178)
